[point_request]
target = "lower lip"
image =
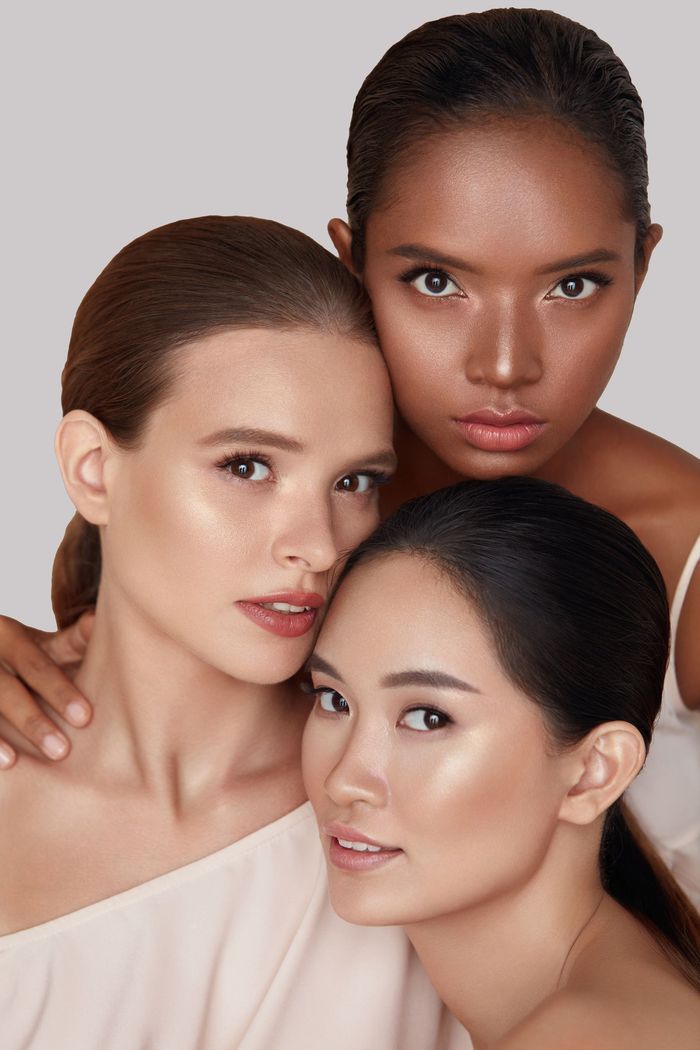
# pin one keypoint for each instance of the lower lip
(286, 625)
(351, 860)
(491, 438)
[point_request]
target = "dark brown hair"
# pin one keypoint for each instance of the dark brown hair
(578, 614)
(166, 288)
(505, 62)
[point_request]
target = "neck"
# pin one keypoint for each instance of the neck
(494, 963)
(171, 726)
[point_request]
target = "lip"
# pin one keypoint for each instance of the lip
(493, 431)
(285, 625)
(347, 860)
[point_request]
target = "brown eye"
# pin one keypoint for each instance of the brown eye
(575, 287)
(248, 469)
(435, 283)
(355, 483)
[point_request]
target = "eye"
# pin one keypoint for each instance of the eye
(435, 284)
(424, 719)
(247, 469)
(577, 286)
(359, 483)
(331, 701)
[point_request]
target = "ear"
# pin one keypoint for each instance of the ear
(83, 446)
(603, 764)
(341, 235)
(653, 236)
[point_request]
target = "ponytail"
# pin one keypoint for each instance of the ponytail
(633, 873)
(76, 571)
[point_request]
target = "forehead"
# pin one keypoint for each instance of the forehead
(286, 380)
(400, 610)
(529, 187)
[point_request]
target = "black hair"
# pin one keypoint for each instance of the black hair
(505, 62)
(577, 610)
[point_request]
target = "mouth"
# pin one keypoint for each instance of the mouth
(493, 431)
(289, 614)
(350, 850)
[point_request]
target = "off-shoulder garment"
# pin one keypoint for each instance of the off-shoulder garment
(237, 951)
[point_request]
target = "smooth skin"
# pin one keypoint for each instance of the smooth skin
(420, 743)
(496, 211)
(482, 208)
(248, 482)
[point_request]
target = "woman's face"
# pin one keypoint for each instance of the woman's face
(419, 744)
(253, 477)
(502, 275)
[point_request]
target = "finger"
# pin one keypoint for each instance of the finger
(20, 651)
(69, 646)
(8, 755)
(26, 716)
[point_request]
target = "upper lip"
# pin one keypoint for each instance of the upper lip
(494, 418)
(308, 598)
(348, 834)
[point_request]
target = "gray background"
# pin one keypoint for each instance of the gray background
(123, 116)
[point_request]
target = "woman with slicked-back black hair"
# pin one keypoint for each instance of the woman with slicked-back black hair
(498, 216)
(487, 680)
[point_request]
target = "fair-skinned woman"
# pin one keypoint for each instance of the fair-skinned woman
(486, 682)
(228, 421)
(499, 220)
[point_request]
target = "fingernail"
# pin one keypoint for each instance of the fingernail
(54, 745)
(78, 712)
(6, 758)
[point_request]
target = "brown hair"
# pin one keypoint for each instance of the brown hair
(168, 287)
(504, 62)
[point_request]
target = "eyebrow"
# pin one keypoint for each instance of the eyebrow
(432, 679)
(252, 436)
(598, 255)
(421, 253)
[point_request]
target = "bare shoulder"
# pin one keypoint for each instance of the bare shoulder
(579, 1020)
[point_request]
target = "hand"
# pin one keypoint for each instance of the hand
(36, 658)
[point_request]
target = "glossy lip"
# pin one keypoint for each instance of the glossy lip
(492, 431)
(348, 860)
(285, 625)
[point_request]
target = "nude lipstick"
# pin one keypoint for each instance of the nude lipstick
(350, 850)
(289, 614)
(493, 431)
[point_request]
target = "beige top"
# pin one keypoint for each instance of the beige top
(240, 949)
(666, 795)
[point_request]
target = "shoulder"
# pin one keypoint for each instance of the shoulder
(579, 1020)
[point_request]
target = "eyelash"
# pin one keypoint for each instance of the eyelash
(377, 477)
(308, 688)
(601, 279)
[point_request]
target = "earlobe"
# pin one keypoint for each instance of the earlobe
(82, 446)
(652, 238)
(341, 235)
(604, 763)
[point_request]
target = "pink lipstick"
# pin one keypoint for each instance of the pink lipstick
(350, 850)
(493, 431)
(289, 614)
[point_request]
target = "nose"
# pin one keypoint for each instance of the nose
(306, 536)
(360, 773)
(504, 350)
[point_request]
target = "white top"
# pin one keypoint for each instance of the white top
(665, 797)
(237, 951)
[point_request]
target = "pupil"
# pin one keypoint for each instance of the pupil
(432, 720)
(350, 483)
(243, 469)
(573, 286)
(436, 282)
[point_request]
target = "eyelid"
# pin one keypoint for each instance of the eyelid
(598, 277)
(409, 276)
